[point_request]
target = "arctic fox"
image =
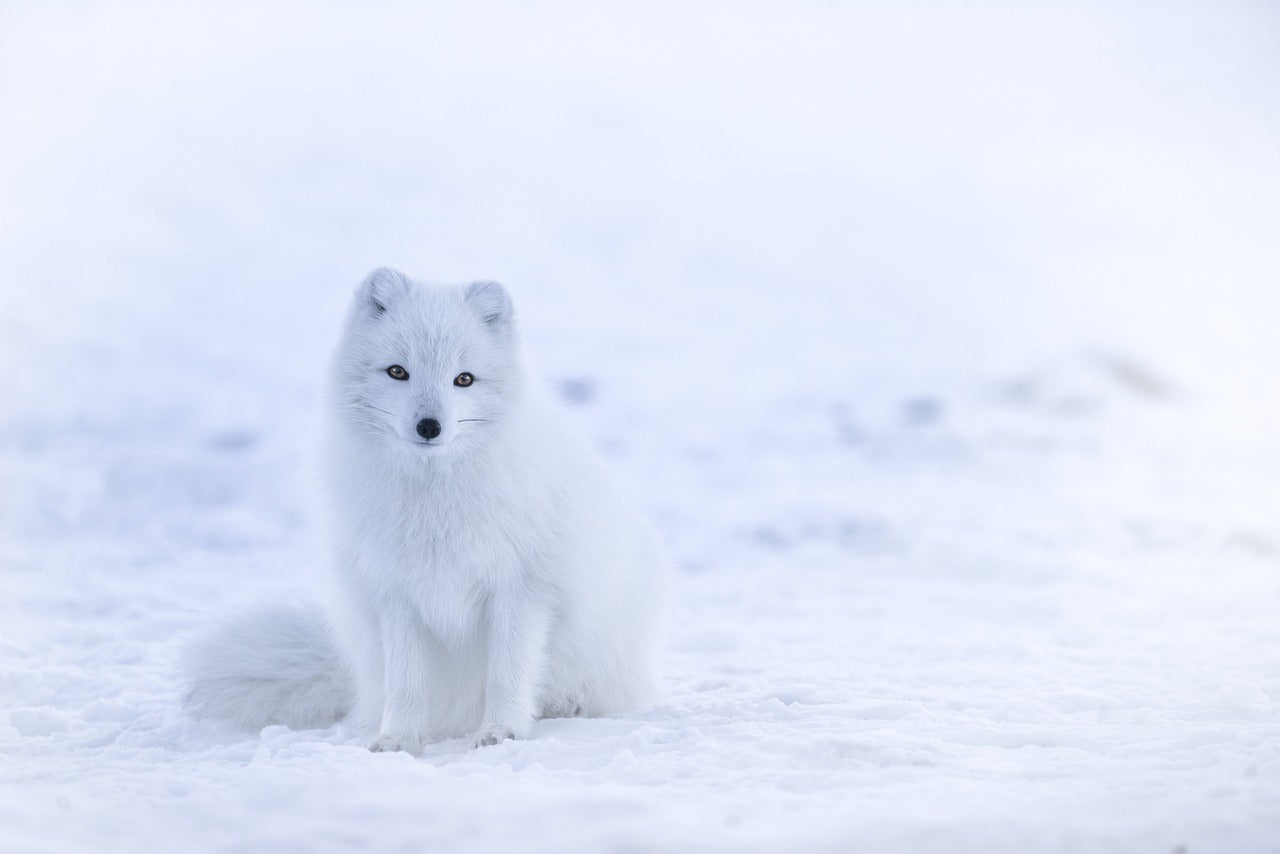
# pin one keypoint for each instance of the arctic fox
(486, 573)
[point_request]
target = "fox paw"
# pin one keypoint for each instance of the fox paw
(390, 744)
(494, 735)
(565, 708)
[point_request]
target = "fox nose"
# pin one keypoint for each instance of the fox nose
(428, 428)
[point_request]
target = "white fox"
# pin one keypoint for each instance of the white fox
(486, 572)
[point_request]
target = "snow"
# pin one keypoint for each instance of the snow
(937, 339)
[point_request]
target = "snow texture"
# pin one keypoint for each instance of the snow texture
(938, 340)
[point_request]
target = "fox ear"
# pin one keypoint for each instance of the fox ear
(380, 289)
(491, 301)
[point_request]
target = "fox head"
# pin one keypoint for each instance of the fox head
(430, 366)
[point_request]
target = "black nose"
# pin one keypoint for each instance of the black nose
(428, 428)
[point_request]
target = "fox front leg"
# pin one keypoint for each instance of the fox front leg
(518, 628)
(405, 685)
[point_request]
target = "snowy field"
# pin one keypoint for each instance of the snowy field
(940, 341)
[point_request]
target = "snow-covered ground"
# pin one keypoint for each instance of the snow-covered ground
(939, 340)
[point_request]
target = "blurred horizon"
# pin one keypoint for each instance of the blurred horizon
(923, 188)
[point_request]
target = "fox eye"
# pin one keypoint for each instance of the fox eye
(463, 380)
(397, 373)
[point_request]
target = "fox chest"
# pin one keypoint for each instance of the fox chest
(447, 573)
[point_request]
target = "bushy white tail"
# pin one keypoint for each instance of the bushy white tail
(276, 665)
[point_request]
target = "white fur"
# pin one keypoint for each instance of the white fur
(486, 577)
(277, 665)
